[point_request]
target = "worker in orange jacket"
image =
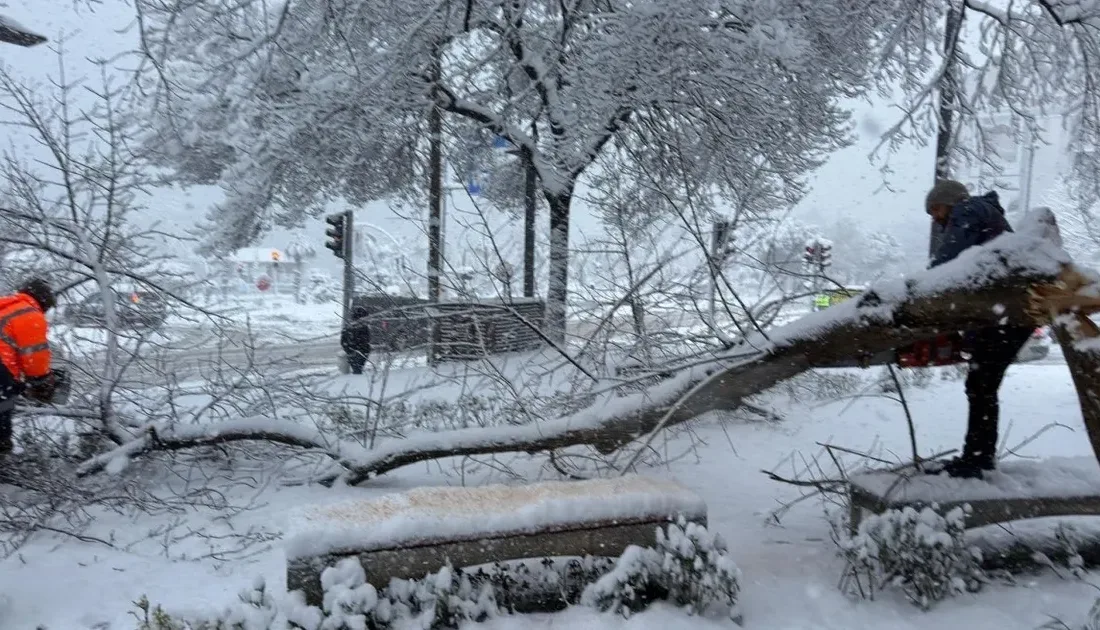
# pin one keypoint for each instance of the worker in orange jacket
(24, 352)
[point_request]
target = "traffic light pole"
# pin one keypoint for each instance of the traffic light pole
(349, 263)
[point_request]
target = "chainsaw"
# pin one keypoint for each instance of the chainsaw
(942, 350)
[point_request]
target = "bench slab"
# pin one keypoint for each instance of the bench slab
(1059, 486)
(410, 534)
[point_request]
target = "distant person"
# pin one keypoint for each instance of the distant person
(24, 352)
(968, 221)
(355, 339)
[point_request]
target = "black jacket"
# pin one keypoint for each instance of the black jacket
(355, 337)
(975, 221)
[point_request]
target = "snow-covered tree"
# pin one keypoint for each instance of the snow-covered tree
(288, 104)
(956, 61)
(300, 251)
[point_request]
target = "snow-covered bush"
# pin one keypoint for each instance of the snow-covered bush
(689, 567)
(442, 600)
(923, 552)
(321, 288)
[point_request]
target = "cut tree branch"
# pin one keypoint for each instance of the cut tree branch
(986, 286)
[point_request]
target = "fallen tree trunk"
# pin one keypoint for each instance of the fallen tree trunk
(1005, 281)
(1080, 341)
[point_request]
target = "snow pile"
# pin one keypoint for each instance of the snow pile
(1024, 479)
(457, 514)
(924, 553)
(689, 567)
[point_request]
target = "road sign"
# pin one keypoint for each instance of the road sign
(263, 283)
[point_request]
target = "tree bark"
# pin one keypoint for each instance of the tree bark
(530, 206)
(557, 289)
(1084, 366)
(949, 97)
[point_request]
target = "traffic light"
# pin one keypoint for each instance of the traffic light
(825, 255)
(810, 255)
(335, 233)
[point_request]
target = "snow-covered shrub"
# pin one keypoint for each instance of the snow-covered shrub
(256, 609)
(689, 567)
(922, 552)
(1070, 540)
(441, 600)
(321, 288)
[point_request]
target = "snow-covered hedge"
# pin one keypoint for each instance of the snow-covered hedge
(689, 567)
(922, 552)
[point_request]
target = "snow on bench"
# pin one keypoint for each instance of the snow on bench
(1017, 490)
(410, 534)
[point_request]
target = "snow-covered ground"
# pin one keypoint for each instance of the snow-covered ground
(790, 569)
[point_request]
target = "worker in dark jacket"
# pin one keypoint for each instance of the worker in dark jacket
(966, 222)
(355, 339)
(24, 352)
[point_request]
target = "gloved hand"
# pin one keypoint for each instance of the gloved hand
(41, 389)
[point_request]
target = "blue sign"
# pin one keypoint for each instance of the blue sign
(501, 142)
(476, 183)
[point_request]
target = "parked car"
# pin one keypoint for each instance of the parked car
(1037, 347)
(135, 309)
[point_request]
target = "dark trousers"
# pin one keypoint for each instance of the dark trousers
(6, 441)
(992, 350)
(356, 361)
(9, 394)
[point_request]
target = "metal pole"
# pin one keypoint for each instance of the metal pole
(1025, 177)
(349, 263)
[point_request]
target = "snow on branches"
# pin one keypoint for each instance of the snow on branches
(290, 108)
(982, 286)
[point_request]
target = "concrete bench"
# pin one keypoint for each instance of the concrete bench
(1018, 490)
(410, 534)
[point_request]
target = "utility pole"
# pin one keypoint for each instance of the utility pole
(1026, 170)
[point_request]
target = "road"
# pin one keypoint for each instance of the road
(189, 352)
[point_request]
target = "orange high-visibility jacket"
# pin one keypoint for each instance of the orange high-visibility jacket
(24, 349)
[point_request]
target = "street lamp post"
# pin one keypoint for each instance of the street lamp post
(12, 32)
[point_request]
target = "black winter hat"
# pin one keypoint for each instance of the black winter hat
(40, 291)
